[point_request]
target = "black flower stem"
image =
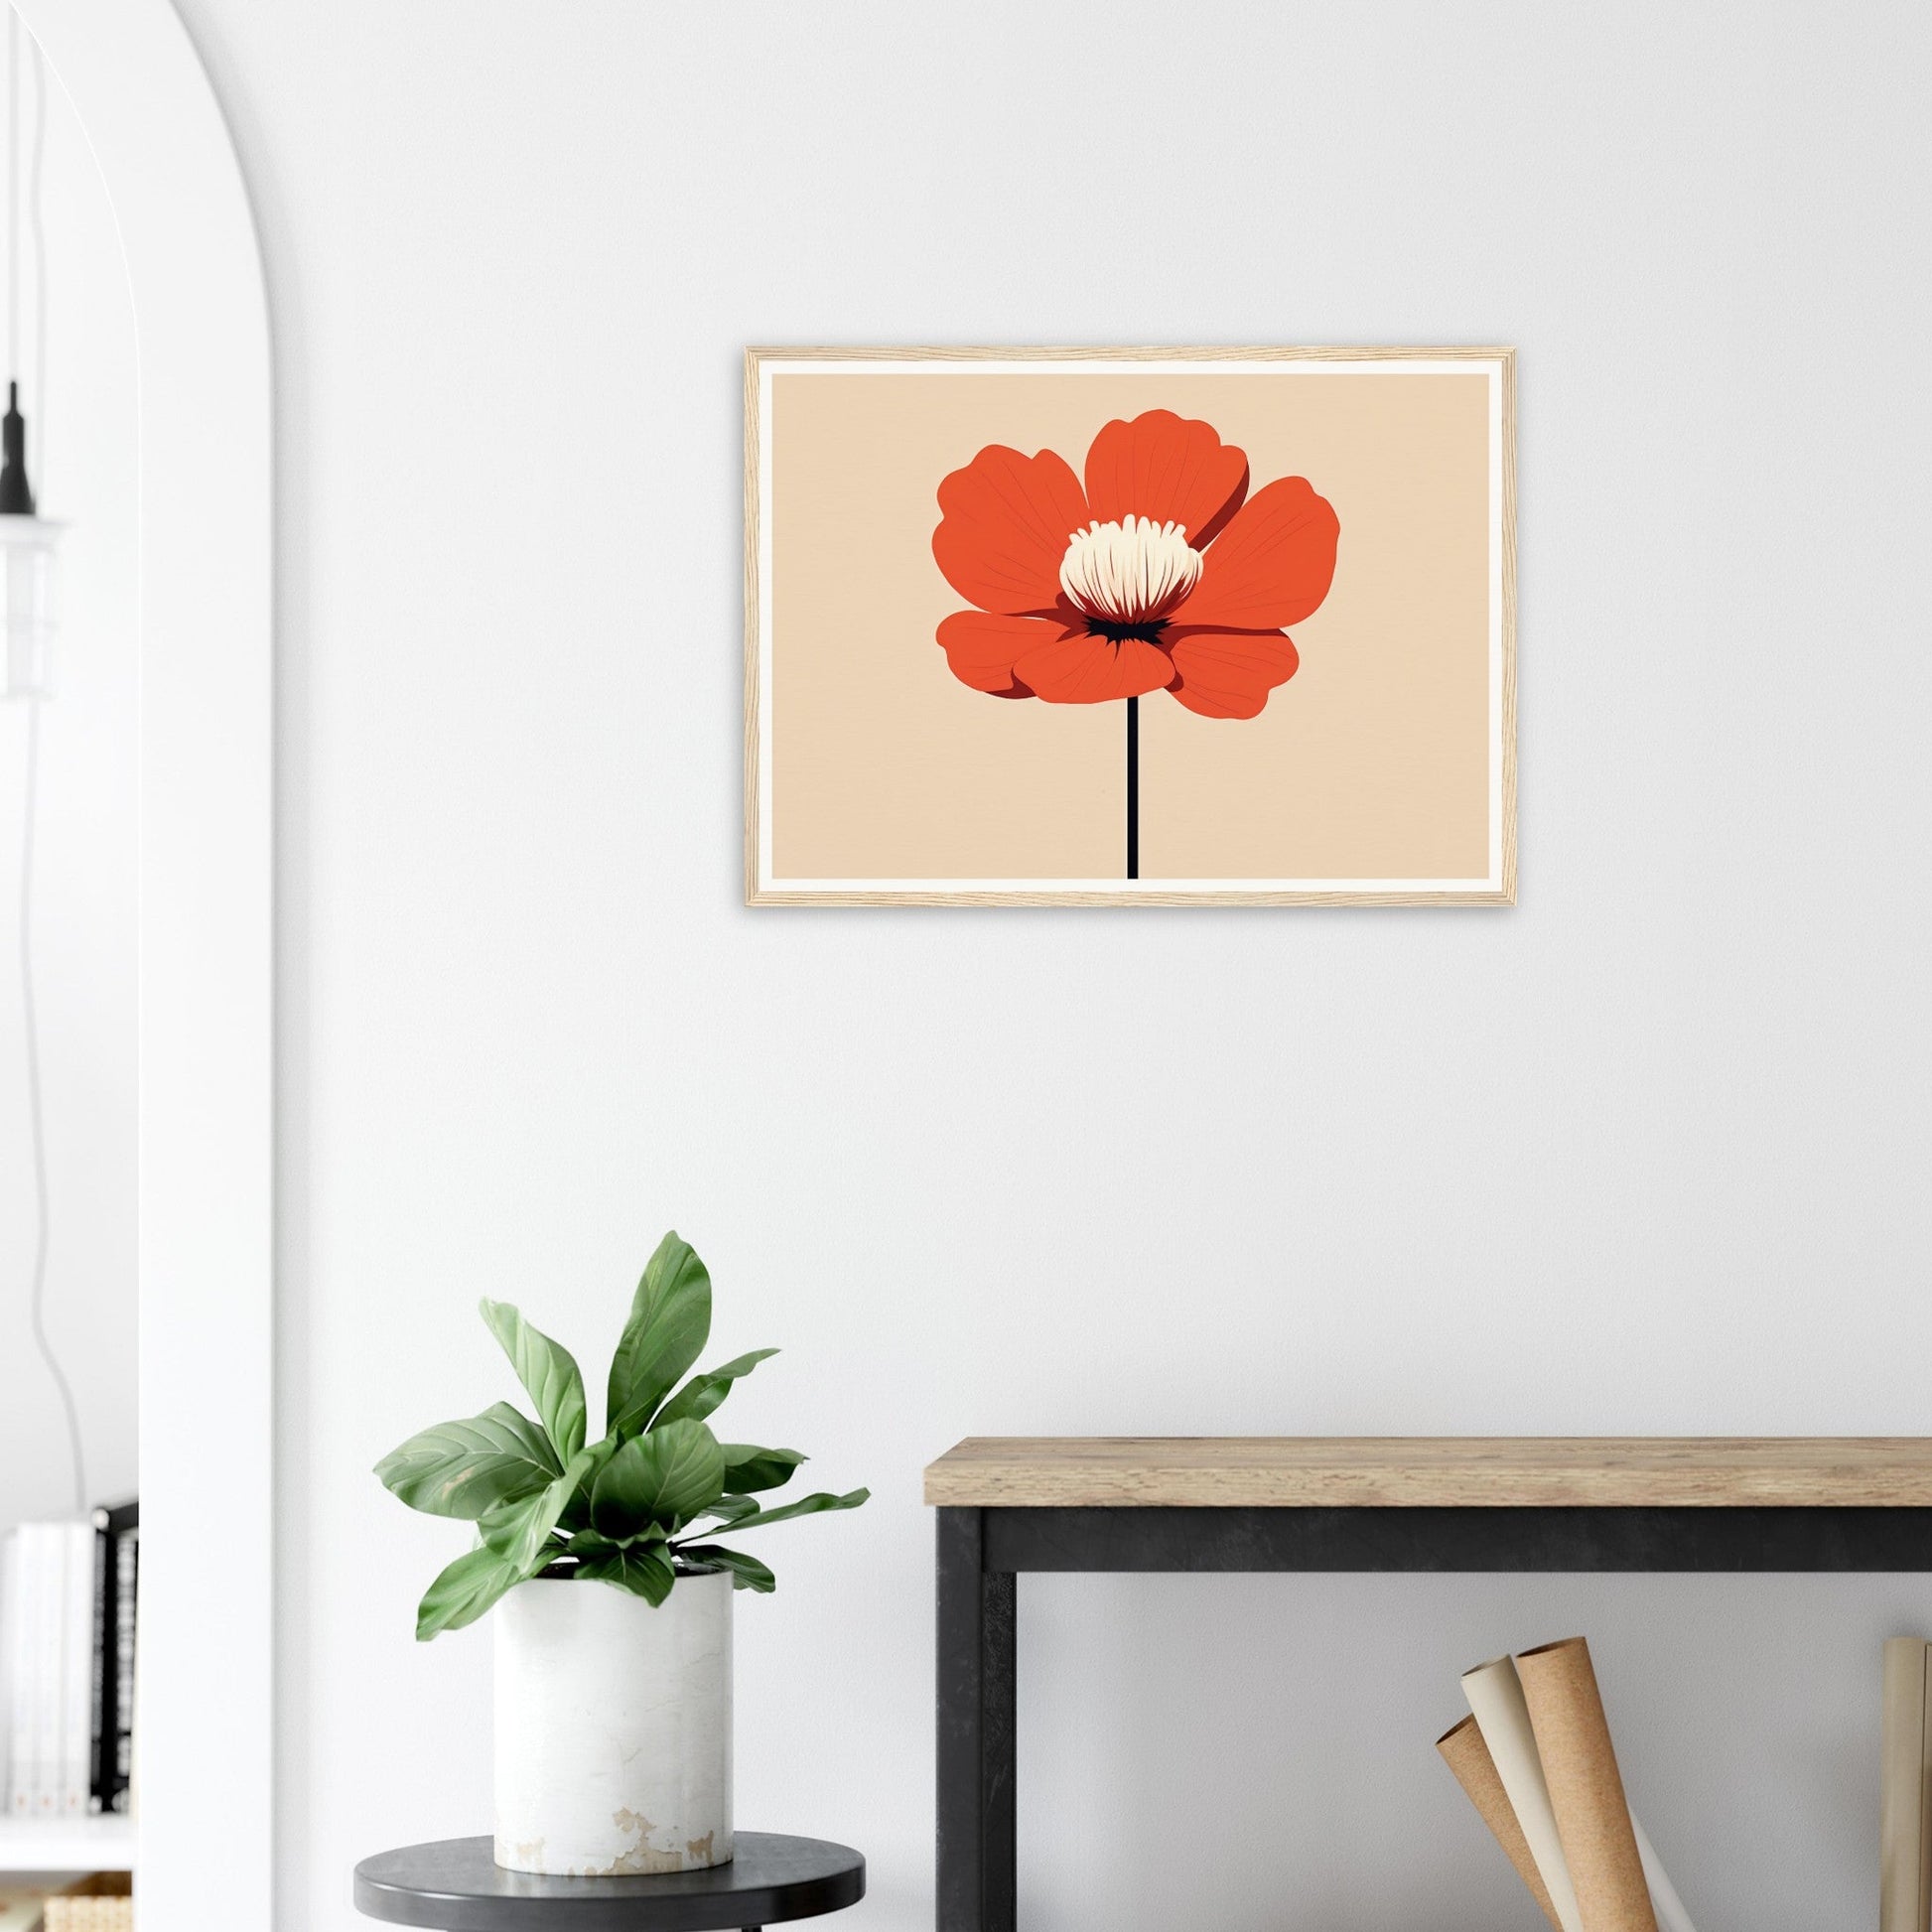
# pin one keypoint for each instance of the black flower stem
(1133, 788)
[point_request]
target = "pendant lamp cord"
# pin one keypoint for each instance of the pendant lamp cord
(13, 192)
(35, 1113)
(36, 213)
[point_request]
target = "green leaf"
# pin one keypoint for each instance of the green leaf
(643, 1570)
(670, 1320)
(731, 1509)
(521, 1532)
(618, 1507)
(587, 1543)
(703, 1393)
(577, 1512)
(747, 1466)
(468, 1468)
(547, 1370)
(464, 1591)
(665, 1476)
(805, 1506)
(747, 1573)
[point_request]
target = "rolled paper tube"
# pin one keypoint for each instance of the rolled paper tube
(1496, 1698)
(1671, 1915)
(1903, 1788)
(1573, 1738)
(1468, 1757)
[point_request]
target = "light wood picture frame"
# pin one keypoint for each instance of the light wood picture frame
(1130, 627)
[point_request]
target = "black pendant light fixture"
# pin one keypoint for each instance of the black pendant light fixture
(26, 539)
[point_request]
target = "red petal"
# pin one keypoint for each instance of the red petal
(1164, 466)
(980, 649)
(1079, 669)
(1005, 520)
(1228, 674)
(1273, 564)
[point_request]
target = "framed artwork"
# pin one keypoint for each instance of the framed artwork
(1130, 627)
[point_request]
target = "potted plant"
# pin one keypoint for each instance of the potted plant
(613, 1705)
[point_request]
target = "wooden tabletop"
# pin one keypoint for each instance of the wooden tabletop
(1487, 1471)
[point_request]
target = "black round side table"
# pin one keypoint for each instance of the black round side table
(457, 1885)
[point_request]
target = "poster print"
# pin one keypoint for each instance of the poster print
(1085, 627)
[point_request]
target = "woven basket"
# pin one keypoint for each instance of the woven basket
(97, 1904)
(90, 1915)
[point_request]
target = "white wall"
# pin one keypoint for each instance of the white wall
(1646, 1152)
(81, 451)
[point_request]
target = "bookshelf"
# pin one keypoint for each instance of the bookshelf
(68, 1845)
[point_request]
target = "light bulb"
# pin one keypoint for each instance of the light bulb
(26, 586)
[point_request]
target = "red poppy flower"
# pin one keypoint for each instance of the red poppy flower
(1160, 574)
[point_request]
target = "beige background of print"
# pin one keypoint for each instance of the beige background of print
(1370, 762)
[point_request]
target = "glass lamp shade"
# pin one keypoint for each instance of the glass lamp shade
(26, 586)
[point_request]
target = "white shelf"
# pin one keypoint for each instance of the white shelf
(66, 1845)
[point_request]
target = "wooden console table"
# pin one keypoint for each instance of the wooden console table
(1369, 1503)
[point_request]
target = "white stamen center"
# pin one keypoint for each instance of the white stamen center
(1134, 572)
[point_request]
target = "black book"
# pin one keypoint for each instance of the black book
(117, 1543)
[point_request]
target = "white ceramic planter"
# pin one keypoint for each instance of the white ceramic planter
(614, 1728)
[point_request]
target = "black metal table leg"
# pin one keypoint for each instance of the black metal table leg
(976, 1675)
